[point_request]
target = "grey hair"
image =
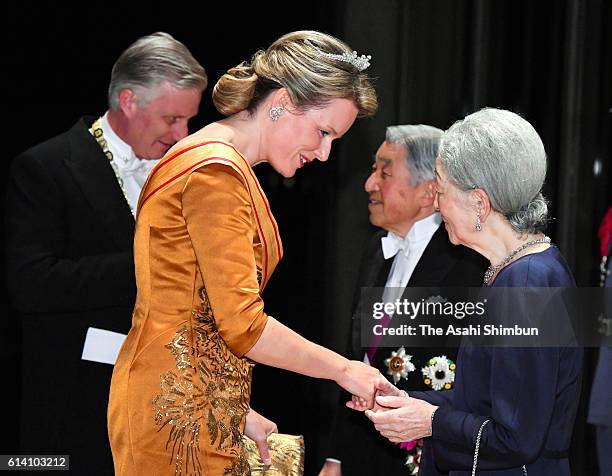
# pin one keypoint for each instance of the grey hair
(501, 153)
(421, 143)
(151, 61)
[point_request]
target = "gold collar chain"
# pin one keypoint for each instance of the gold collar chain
(98, 133)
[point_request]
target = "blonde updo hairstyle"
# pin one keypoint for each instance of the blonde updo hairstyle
(295, 62)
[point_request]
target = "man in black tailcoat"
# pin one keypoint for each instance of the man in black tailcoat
(69, 234)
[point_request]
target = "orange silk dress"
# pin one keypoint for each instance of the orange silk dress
(206, 244)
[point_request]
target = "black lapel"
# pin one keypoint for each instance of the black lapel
(94, 175)
(436, 262)
(433, 266)
(433, 271)
(374, 271)
(379, 266)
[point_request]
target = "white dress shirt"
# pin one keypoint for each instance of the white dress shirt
(415, 242)
(408, 251)
(132, 170)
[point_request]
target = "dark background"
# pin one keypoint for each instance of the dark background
(433, 62)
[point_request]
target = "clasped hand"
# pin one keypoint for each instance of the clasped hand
(395, 415)
(362, 381)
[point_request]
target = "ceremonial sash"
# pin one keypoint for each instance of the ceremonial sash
(181, 162)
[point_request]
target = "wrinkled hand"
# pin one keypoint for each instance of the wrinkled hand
(360, 380)
(402, 418)
(258, 428)
(331, 469)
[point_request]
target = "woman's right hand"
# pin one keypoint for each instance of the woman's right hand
(404, 418)
(361, 380)
(387, 389)
(383, 388)
(258, 428)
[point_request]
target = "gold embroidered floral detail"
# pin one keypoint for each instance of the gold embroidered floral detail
(177, 407)
(212, 388)
(239, 467)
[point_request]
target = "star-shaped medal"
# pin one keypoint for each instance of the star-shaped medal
(399, 365)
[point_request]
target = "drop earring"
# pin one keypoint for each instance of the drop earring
(478, 225)
(276, 112)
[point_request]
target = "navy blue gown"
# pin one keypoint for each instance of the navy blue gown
(530, 396)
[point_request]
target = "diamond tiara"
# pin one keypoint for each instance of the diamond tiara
(360, 62)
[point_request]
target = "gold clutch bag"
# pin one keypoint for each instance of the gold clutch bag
(286, 452)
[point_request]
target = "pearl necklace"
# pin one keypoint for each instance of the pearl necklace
(492, 270)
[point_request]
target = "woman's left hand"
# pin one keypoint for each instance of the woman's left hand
(258, 428)
(402, 418)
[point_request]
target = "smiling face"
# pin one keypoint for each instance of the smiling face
(458, 214)
(395, 204)
(156, 125)
(299, 137)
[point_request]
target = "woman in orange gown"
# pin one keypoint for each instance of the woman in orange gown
(206, 245)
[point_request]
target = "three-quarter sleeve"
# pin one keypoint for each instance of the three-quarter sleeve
(218, 213)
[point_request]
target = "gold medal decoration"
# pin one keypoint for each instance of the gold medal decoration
(399, 365)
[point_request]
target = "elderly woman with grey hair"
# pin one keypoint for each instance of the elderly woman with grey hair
(512, 409)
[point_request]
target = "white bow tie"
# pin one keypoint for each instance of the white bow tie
(137, 167)
(391, 244)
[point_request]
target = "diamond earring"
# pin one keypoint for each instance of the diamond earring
(478, 225)
(276, 112)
